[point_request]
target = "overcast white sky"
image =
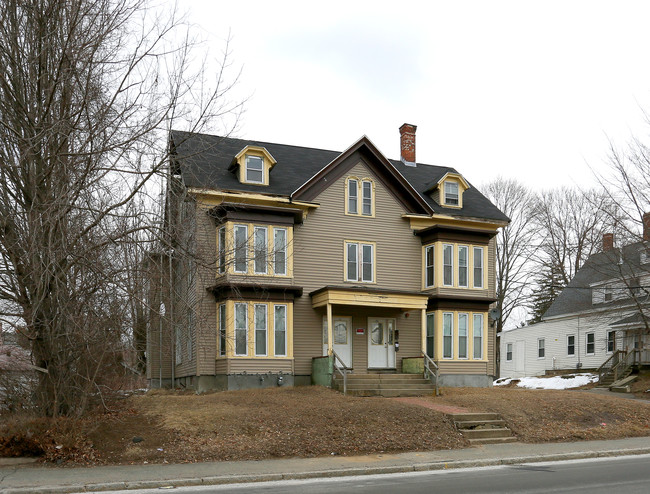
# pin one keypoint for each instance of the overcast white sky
(525, 89)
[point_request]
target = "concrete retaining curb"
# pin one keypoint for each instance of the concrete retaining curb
(345, 472)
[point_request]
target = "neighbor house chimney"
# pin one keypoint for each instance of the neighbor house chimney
(646, 227)
(608, 242)
(407, 144)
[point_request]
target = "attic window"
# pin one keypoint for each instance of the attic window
(254, 169)
(451, 194)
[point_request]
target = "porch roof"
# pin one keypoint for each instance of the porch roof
(634, 320)
(368, 297)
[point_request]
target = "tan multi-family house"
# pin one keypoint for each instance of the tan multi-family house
(278, 255)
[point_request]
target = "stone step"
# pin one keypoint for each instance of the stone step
(469, 424)
(464, 417)
(356, 385)
(390, 393)
(493, 440)
(382, 377)
(486, 433)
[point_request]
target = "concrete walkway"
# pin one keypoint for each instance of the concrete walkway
(32, 479)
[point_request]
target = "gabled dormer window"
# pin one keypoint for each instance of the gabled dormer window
(252, 165)
(449, 190)
(451, 194)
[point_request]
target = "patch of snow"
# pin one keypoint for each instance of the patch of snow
(555, 382)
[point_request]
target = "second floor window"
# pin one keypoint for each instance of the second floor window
(254, 170)
(447, 265)
(360, 262)
(260, 245)
(462, 266)
(241, 248)
(280, 251)
(429, 262)
(478, 267)
(222, 249)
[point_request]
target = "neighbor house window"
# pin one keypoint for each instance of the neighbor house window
(280, 251)
(360, 262)
(353, 196)
(366, 195)
(222, 330)
(431, 318)
(591, 343)
(254, 169)
(478, 267)
(429, 271)
(222, 249)
(608, 293)
(241, 329)
(509, 352)
(541, 351)
(477, 332)
(611, 341)
(241, 248)
(451, 194)
(280, 331)
(447, 335)
(462, 335)
(260, 329)
(570, 345)
(447, 265)
(462, 265)
(260, 246)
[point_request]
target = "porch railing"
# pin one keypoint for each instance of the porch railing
(431, 371)
(343, 370)
(619, 363)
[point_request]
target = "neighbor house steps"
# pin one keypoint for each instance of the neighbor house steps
(387, 385)
(483, 428)
(608, 380)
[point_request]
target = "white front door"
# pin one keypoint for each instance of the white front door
(342, 345)
(381, 343)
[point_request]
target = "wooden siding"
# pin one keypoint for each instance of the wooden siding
(258, 366)
(318, 258)
(463, 367)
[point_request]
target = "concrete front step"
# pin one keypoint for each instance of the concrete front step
(470, 416)
(482, 428)
(493, 440)
(468, 424)
(390, 393)
(486, 433)
(357, 385)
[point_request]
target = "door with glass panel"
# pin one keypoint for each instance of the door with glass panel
(342, 344)
(381, 343)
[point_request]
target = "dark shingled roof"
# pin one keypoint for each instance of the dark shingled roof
(204, 162)
(600, 267)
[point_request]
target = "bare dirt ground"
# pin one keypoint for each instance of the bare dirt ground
(313, 421)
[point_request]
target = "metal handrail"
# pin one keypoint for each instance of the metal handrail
(343, 370)
(432, 369)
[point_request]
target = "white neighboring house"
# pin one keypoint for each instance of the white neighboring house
(605, 308)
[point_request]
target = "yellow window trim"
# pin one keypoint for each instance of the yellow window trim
(438, 267)
(360, 182)
(268, 162)
(438, 335)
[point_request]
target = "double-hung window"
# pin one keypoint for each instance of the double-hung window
(353, 196)
(462, 265)
(360, 259)
(431, 317)
(570, 345)
(241, 329)
(241, 248)
(260, 311)
(254, 169)
(462, 335)
(451, 194)
(429, 266)
(478, 267)
(541, 350)
(366, 196)
(222, 330)
(280, 251)
(447, 265)
(477, 333)
(447, 335)
(280, 331)
(591, 343)
(222, 249)
(260, 247)
(509, 352)
(611, 341)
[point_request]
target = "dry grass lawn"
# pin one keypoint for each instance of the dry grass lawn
(308, 422)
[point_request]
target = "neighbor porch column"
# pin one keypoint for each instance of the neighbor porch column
(329, 329)
(423, 322)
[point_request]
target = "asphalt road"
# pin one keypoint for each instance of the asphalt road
(628, 474)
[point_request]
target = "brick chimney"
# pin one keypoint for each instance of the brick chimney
(646, 227)
(608, 242)
(407, 144)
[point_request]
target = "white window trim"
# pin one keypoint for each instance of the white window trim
(245, 329)
(451, 183)
(246, 168)
(451, 248)
(567, 345)
(587, 343)
(363, 197)
(264, 269)
(222, 330)
(451, 318)
(538, 348)
(275, 329)
(427, 266)
(607, 350)
(464, 315)
(265, 329)
(236, 248)
(482, 321)
(474, 267)
(466, 285)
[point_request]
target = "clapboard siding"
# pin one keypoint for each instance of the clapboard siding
(462, 367)
(206, 324)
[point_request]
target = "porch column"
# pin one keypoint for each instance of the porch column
(329, 329)
(423, 313)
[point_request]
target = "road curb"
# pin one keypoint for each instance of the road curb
(344, 472)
